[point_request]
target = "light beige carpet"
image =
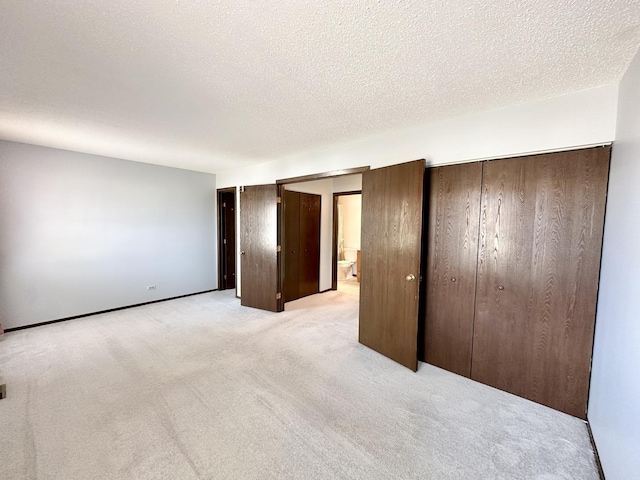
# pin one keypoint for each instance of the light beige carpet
(202, 388)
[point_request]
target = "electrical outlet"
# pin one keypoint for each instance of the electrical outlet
(151, 287)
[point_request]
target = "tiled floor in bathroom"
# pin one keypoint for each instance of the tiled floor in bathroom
(350, 286)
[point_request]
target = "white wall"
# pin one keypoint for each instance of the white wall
(324, 188)
(81, 233)
(351, 216)
(347, 183)
(569, 121)
(614, 401)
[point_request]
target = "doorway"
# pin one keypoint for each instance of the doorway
(226, 238)
(325, 185)
(347, 214)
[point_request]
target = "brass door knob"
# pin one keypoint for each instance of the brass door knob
(500, 287)
(410, 277)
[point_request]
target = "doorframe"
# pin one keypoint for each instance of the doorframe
(323, 175)
(280, 222)
(235, 233)
(334, 247)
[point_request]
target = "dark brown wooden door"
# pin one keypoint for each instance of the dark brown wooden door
(309, 244)
(391, 247)
(301, 245)
(259, 261)
(539, 259)
(291, 245)
(452, 258)
(227, 238)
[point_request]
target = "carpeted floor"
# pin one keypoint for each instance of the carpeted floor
(200, 387)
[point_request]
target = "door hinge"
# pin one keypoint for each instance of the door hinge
(224, 242)
(241, 189)
(278, 296)
(224, 277)
(224, 204)
(279, 248)
(278, 199)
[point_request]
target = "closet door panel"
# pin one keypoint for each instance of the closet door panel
(452, 258)
(538, 267)
(309, 244)
(291, 246)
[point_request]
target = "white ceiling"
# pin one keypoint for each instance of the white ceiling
(209, 85)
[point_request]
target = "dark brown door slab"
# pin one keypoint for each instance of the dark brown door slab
(539, 260)
(452, 258)
(309, 244)
(227, 239)
(301, 244)
(259, 260)
(291, 246)
(392, 200)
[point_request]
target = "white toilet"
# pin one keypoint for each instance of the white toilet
(344, 269)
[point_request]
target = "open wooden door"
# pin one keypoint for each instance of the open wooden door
(258, 243)
(392, 200)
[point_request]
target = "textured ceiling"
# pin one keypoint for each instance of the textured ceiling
(209, 85)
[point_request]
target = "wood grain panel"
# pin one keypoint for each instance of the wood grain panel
(291, 246)
(259, 262)
(452, 258)
(309, 244)
(539, 260)
(392, 200)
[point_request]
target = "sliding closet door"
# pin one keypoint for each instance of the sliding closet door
(259, 238)
(540, 239)
(452, 257)
(309, 244)
(391, 248)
